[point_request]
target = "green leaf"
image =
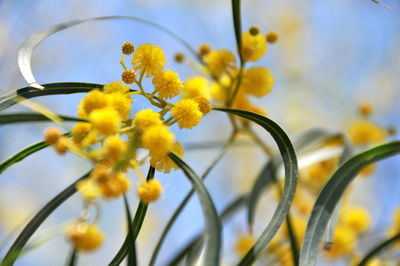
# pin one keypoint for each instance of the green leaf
(291, 173)
(72, 259)
(183, 203)
(136, 224)
(26, 50)
(237, 24)
(331, 194)
(132, 261)
(228, 211)
(11, 98)
(379, 248)
(32, 117)
(22, 155)
(37, 220)
(212, 223)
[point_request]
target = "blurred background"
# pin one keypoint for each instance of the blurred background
(331, 56)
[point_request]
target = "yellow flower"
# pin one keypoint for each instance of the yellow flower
(127, 48)
(220, 61)
(204, 49)
(357, 218)
(106, 120)
(253, 47)
(114, 147)
(52, 135)
(146, 118)
(162, 162)
(85, 237)
(272, 37)
(115, 186)
(158, 139)
(128, 76)
(116, 86)
(167, 84)
(204, 104)
(149, 58)
(187, 113)
(88, 189)
(244, 244)
(149, 191)
(122, 104)
(344, 243)
(365, 108)
(95, 99)
(80, 130)
(365, 132)
(62, 145)
(258, 81)
(194, 87)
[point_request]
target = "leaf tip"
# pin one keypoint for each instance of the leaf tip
(36, 86)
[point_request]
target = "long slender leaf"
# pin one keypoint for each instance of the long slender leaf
(32, 117)
(227, 212)
(37, 220)
(11, 98)
(184, 202)
(22, 155)
(132, 261)
(136, 224)
(331, 194)
(291, 174)
(26, 50)
(237, 24)
(212, 223)
(72, 259)
(310, 138)
(379, 248)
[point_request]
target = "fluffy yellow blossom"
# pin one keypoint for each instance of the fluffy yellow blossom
(258, 81)
(80, 130)
(149, 191)
(114, 147)
(115, 87)
(218, 90)
(62, 145)
(344, 243)
(106, 120)
(101, 173)
(88, 189)
(127, 48)
(253, 47)
(158, 139)
(204, 49)
(149, 58)
(85, 237)
(194, 87)
(187, 113)
(95, 99)
(52, 135)
(122, 104)
(220, 61)
(272, 37)
(357, 218)
(115, 186)
(365, 132)
(204, 104)
(167, 84)
(146, 118)
(162, 162)
(128, 76)
(244, 244)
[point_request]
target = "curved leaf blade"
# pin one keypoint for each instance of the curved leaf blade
(132, 261)
(379, 248)
(136, 226)
(37, 220)
(32, 117)
(26, 50)
(291, 174)
(212, 222)
(237, 24)
(11, 98)
(331, 194)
